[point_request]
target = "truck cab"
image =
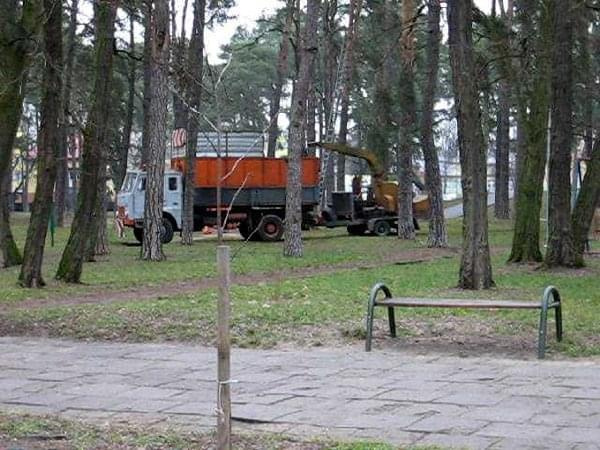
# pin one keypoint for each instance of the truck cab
(131, 201)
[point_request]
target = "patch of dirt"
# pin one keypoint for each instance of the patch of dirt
(460, 336)
(141, 293)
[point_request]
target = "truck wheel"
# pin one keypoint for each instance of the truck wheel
(356, 230)
(381, 228)
(167, 233)
(271, 228)
(139, 234)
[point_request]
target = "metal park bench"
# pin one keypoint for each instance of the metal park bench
(550, 300)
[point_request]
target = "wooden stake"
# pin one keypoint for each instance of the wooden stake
(224, 348)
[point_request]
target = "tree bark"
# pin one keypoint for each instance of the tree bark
(329, 64)
(587, 202)
(282, 70)
(347, 80)
(438, 235)
(123, 153)
(293, 201)
(533, 99)
(147, 98)
(501, 194)
(157, 129)
(475, 266)
(407, 122)
(62, 172)
(17, 35)
(94, 144)
(11, 256)
(502, 181)
(48, 152)
(101, 243)
(380, 130)
(311, 114)
(194, 85)
(561, 251)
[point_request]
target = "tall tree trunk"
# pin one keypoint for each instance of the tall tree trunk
(94, 144)
(407, 122)
(123, 152)
(380, 129)
(101, 244)
(329, 63)
(293, 201)
(147, 98)
(438, 235)
(48, 152)
(561, 251)
(347, 80)
(587, 202)
(282, 70)
(62, 169)
(10, 252)
(194, 84)
(157, 129)
(475, 265)
(311, 114)
(17, 35)
(533, 104)
(502, 176)
(97, 244)
(501, 194)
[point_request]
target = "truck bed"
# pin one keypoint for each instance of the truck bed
(249, 172)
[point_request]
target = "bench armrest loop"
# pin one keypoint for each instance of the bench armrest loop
(379, 287)
(550, 299)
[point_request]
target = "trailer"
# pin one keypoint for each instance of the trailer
(252, 195)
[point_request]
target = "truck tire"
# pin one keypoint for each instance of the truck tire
(167, 231)
(165, 237)
(356, 230)
(270, 228)
(381, 228)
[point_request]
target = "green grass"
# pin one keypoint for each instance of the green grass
(320, 309)
(123, 268)
(45, 433)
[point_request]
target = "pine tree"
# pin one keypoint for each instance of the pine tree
(293, 201)
(475, 264)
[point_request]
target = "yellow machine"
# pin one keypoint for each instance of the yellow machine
(385, 192)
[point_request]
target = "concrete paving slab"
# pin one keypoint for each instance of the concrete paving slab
(401, 398)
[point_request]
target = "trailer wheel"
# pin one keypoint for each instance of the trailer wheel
(271, 228)
(139, 234)
(356, 230)
(381, 228)
(167, 231)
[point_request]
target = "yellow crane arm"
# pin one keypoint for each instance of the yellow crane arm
(368, 155)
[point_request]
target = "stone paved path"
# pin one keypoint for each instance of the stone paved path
(345, 393)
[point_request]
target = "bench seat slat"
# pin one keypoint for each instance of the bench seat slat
(459, 303)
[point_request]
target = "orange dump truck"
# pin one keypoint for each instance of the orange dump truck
(253, 194)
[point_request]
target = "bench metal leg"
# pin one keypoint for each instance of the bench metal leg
(392, 321)
(551, 299)
(371, 310)
(559, 327)
(542, 330)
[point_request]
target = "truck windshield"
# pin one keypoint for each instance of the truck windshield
(129, 182)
